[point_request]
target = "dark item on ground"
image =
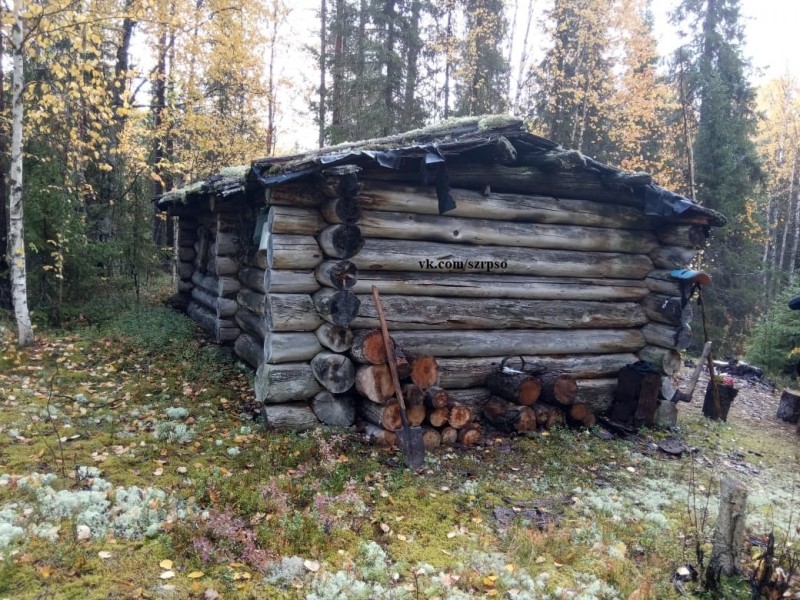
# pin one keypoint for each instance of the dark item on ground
(687, 395)
(789, 407)
(740, 369)
(409, 438)
(635, 399)
(726, 395)
(794, 303)
(673, 446)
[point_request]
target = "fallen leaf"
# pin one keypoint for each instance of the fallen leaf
(311, 565)
(104, 554)
(167, 575)
(401, 537)
(45, 571)
(195, 575)
(165, 564)
(159, 471)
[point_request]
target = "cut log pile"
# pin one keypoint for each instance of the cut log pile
(541, 260)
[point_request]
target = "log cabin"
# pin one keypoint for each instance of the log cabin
(484, 240)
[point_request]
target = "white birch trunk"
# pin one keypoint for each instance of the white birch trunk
(793, 200)
(16, 238)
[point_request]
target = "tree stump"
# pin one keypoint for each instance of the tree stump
(729, 530)
(726, 395)
(789, 407)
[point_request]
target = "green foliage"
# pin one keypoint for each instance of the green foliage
(775, 340)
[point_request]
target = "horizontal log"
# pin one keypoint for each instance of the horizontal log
(224, 334)
(334, 410)
(225, 244)
(421, 312)
(218, 286)
(219, 330)
(597, 394)
(294, 221)
(334, 337)
(335, 372)
(672, 257)
(338, 274)
(339, 307)
(253, 301)
(579, 184)
(341, 241)
(186, 253)
(459, 373)
(223, 265)
(424, 371)
(506, 342)
(250, 349)
(342, 210)
(290, 347)
(367, 347)
(667, 309)
(687, 236)
(377, 435)
(285, 382)
(474, 398)
(666, 336)
(250, 322)
(185, 270)
(503, 207)
(223, 307)
(340, 181)
(184, 287)
(455, 230)
(660, 281)
(291, 252)
(254, 278)
(305, 195)
(499, 285)
(384, 415)
(290, 282)
(375, 383)
(295, 416)
(406, 255)
(668, 360)
(291, 312)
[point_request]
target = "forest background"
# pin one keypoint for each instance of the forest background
(105, 104)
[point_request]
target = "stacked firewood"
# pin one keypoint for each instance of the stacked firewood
(444, 420)
(523, 402)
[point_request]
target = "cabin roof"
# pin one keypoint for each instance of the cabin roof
(499, 139)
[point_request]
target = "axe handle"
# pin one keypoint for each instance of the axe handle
(698, 367)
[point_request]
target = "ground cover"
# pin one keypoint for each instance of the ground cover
(133, 465)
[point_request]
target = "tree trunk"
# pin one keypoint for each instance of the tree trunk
(334, 371)
(323, 50)
(789, 407)
(16, 235)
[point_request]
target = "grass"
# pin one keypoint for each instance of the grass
(261, 514)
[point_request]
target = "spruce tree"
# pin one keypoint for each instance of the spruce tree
(728, 172)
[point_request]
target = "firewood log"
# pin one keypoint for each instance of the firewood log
(460, 415)
(545, 418)
(558, 389)
(508, 417)
(383, 415)
(337, 411)
(342, 210)
(415, 407)
(339, 307)
(413, 393)
(335, 372)
(437, 397)
(424, 371)
(470, 436)
(503, 207)
(285, 382)
(597, 394)
(334, 337)
(499, 285)
(338, 274)
(368, 347)
(431, 438)
(341, 241)
(411, 255)
(514, 385)
(294, 346)
(577, 412)
(294, 416)
(379, 435)
(375, 383)
(439, 417)
(449, 436)
(474, 398)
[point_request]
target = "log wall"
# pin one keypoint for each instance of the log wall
(578, 286)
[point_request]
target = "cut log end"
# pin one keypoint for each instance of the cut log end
(424, 371)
